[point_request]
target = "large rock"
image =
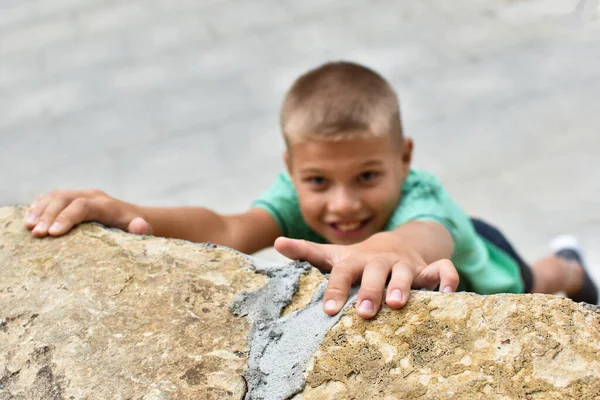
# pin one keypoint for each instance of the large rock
(100, 314)
(107, 315)
(462, 346)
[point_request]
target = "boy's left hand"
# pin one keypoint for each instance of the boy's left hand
(348, 264)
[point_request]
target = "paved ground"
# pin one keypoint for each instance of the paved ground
(175, 102)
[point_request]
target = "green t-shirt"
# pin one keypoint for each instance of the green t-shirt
(483, 267)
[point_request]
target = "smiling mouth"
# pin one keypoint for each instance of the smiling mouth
(349, 228)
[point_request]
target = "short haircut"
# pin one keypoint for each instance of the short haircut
(340, 100)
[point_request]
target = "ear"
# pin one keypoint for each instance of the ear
(288, 162)
(407, 150)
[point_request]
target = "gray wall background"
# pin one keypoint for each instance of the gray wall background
(175, 102)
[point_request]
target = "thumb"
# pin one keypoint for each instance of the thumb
(314, 253)
(139, 226)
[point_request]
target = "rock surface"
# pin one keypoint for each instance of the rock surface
(100, 314)
(106, 315)
(466, 346)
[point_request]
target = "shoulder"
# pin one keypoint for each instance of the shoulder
(282, 189)
(421, 183)
(419, 177)
(423, 198)
(280, 200)
(283, 182)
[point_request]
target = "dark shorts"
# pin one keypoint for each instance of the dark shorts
(496, 237)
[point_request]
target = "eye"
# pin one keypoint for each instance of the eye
(316, 181)
(368, 176)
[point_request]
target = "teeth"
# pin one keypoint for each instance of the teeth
(348, 227)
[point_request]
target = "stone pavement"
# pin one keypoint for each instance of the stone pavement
(175, 102)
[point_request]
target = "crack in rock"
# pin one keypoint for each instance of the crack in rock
(281, 347)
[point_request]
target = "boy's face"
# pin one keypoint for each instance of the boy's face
(348, 189)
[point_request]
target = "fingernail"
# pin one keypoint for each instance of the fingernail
(55, 227)
(366, 306)
(447, 289)
(330, 305)
(40, 227)
(395, 295)
(32, 218)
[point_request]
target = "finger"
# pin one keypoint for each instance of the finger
(343, 275)
(372, 287)
(54, 207)
(398, 291)
(34, 214)
(76, 212)
(31, 217)
(441, 272)
(314, 253)
(139, 226)
(36, 210)
(449, 278)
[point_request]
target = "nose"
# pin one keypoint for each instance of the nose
(343, 201)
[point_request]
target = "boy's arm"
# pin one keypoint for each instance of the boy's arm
(249, 232)
(57, 212)
(416, 254)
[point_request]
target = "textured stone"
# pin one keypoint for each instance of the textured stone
(307, 286)
(101, 314)
(464, 346)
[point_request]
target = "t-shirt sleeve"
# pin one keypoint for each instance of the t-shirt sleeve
(424, 199)
(281, 201)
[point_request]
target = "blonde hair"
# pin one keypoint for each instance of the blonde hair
(340, 100)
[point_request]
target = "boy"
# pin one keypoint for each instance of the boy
(349, 204)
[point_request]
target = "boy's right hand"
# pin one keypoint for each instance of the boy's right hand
(57, 212)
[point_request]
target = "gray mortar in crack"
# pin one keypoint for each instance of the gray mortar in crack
(590, 307)
(281, 347)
